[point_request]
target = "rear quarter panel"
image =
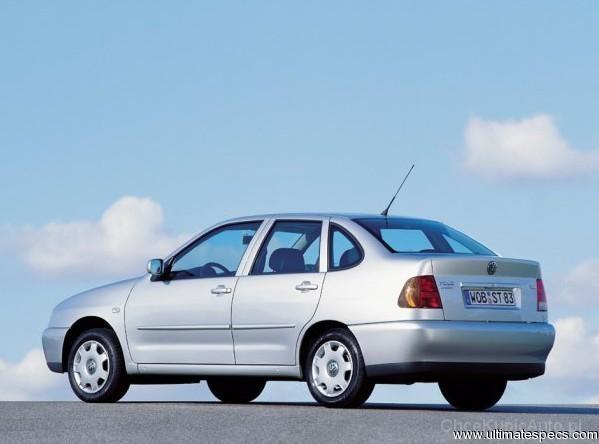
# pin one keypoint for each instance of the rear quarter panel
(368, 292)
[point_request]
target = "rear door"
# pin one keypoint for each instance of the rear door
(488, 288)
(280, 293)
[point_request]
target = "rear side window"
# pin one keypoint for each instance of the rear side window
(344, 250)
(291, 247)
(402, 235)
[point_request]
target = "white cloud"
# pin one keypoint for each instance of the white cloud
(531, 148)
(129, 232)
(575, 355)
(579, 287)
(29, 379)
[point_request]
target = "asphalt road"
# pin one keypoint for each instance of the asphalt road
(183, 422)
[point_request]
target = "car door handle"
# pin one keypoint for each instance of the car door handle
(221, 289)
(306, 286)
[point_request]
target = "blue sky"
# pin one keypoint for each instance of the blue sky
(218, 110)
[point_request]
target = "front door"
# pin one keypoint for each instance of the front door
(185, 318)
(279, 296)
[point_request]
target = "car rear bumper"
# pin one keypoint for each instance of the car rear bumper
(410, 372)
(52, 341)
(415, 351)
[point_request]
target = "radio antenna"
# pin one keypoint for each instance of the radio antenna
(386, 210)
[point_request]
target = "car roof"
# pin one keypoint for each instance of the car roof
(345, 215)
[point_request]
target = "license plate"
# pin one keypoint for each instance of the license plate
(489, 297)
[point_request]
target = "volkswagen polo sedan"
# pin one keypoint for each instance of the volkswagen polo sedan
(340, 301)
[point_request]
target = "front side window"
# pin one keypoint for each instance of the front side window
(344, 251)
(402, 235)
(291, 247)
(218, 253)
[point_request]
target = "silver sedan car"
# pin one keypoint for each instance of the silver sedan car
(341, 301)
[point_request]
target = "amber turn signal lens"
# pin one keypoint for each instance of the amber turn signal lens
(410, 297)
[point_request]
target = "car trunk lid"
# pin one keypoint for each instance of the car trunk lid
(487, 288)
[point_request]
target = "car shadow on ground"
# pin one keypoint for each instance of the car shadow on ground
(520, 409)
(531, 409)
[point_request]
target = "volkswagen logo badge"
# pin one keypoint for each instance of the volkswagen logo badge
(492, 267)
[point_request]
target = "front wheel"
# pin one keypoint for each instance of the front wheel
(335, 370)
(236, 390)
(97, 368)
(473, 395)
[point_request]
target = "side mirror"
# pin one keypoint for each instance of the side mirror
(156, 267)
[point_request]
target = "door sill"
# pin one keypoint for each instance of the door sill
(268, 371)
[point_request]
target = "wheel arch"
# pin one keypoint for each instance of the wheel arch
(311, 334)
(78, 327)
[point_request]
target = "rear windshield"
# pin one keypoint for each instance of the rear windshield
(421, 236)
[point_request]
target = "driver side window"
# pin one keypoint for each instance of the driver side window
(216, 254)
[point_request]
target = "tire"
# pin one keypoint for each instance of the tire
(473, 395)
(96, 367)
(335, 371)
(236, 390)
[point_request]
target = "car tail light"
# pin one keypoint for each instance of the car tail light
(541, 296)
(420, 292)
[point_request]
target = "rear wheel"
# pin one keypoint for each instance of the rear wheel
(473, 395)
(96, 367)
(335, 370)
(236, 390)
